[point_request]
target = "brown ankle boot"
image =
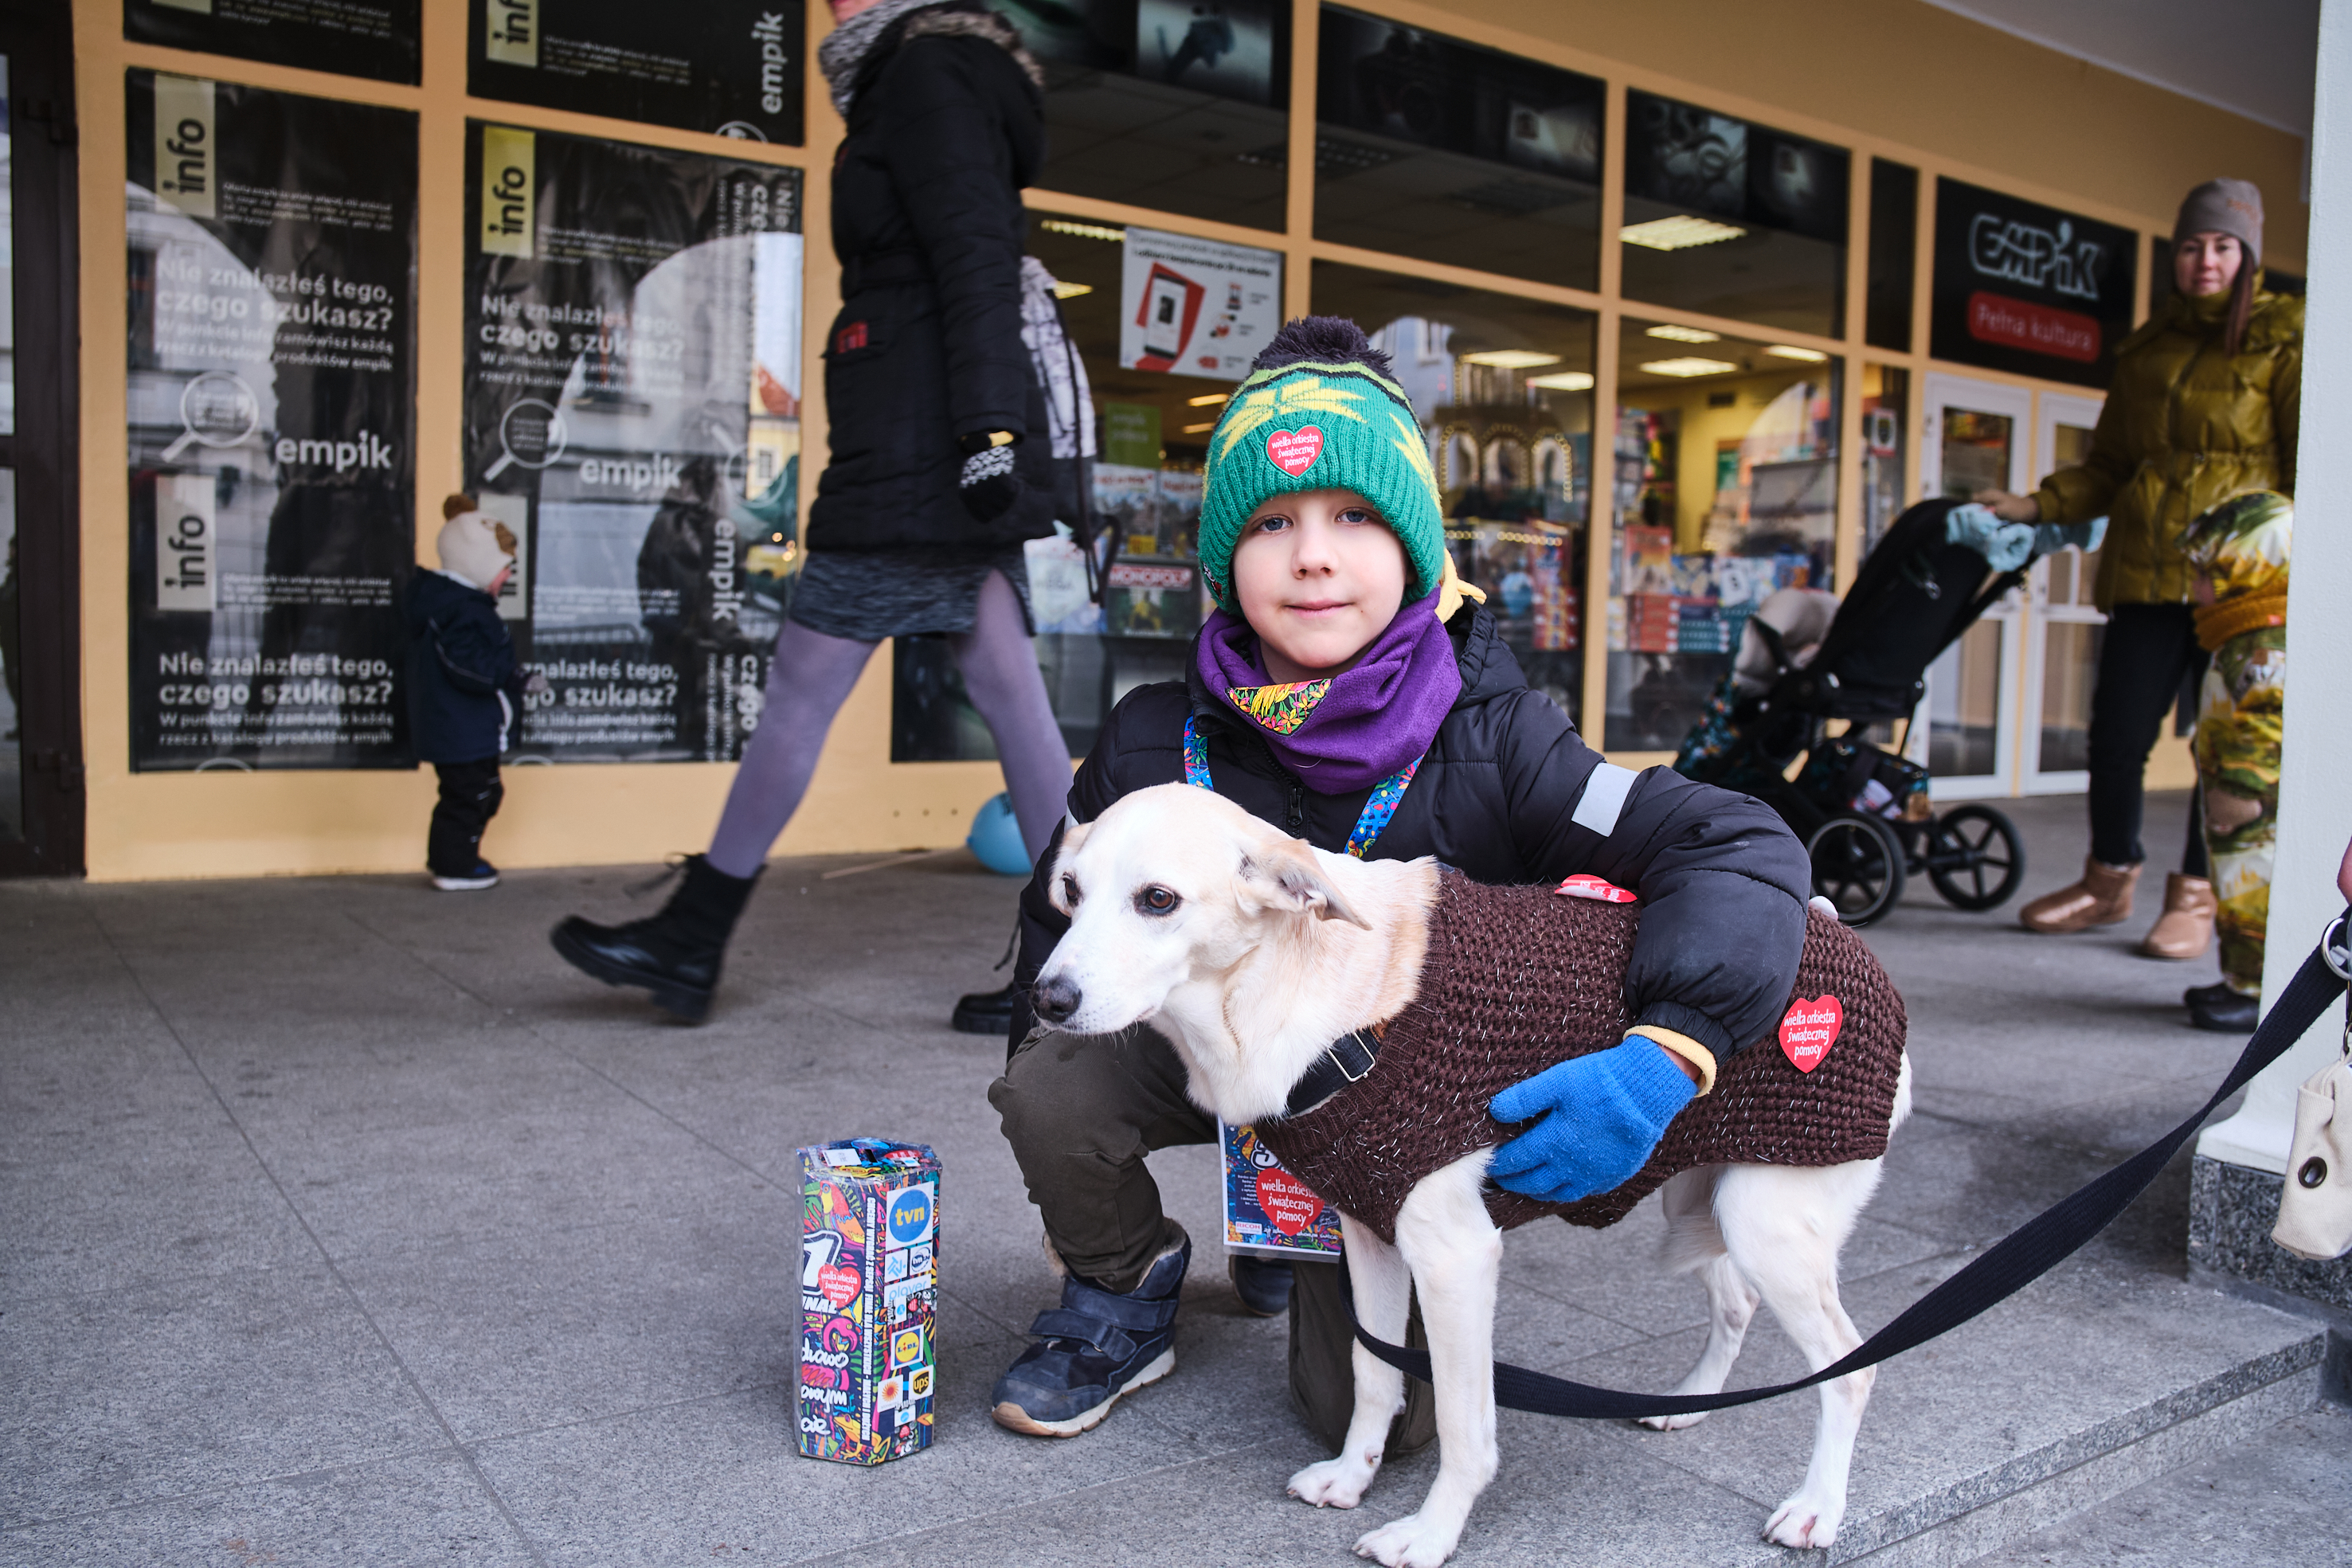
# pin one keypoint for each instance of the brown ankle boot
(2103, 898)
(2185, 930)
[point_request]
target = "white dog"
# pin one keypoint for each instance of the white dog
(1251, 951)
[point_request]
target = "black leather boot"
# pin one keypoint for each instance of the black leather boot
(984, 1013)
(676, 953)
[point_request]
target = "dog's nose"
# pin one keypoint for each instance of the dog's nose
(1055, 1000)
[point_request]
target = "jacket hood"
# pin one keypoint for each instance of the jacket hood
(430, 595)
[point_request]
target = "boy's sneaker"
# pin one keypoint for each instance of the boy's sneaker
(484, 874)
(1090, 1349)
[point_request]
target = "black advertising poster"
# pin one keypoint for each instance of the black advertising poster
(272, 425)
(375, 39)
(633, 353)
(1388, 79)
(733, 68)
(1680, 155)
(2024, 287)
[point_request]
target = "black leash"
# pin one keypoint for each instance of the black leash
(2005, 1268)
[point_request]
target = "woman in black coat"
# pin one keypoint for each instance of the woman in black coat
(934, 480)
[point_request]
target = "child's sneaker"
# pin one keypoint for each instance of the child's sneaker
(484, 874)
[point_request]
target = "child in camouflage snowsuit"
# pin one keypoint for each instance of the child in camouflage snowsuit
(2240, 551)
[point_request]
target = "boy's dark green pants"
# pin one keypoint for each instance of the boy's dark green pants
(1081, 1113)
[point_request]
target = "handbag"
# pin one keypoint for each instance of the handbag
(2315, 1205)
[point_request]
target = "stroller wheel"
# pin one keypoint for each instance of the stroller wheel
(1857, 866)
(1974, 857)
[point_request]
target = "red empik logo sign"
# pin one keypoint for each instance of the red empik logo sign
(2037, 329)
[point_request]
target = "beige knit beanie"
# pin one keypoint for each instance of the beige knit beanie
(469, 549)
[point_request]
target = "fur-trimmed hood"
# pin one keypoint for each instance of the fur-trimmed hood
(854, 54)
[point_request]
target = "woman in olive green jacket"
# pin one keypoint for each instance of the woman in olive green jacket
(2203, 406)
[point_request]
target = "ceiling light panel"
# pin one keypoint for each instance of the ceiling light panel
(1511, 359)
(1084, 231)
(1678, 233)
(1791, 352)
(1566, 380)
(1685, 334)
(1689, 365)
(1211, 401)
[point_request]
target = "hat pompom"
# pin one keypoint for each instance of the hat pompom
(1324, 339)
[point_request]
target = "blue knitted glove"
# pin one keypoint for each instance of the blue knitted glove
(2049, 539)
(2005, 545)
(1602, 1114)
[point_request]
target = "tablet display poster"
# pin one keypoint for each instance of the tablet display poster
(1196, 307)
(375, 39)
(633, 385)
(733, 68)
(272, 406)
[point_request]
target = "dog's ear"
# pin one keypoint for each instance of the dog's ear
(1290, 878)
(1074, 838)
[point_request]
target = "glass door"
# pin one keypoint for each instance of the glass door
(1974, 438)
(2063, 640)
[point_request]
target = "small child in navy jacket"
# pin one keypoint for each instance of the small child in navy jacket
(464, 692)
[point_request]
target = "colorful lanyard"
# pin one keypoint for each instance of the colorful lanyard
(1377, 810)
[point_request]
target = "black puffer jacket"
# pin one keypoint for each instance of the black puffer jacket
(1723, 881)
(461, 660)
(945, 129)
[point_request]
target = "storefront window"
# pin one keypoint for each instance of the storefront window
(1165, 104)
(1894, 255)
(1444, 151)
(1886, 419)
(1726, 492)
(1730, 218)
(1152, 428)
(1503, 389)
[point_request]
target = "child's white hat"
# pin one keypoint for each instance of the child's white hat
(470, 548)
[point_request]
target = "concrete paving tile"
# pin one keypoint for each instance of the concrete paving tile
(398, 1080)
(555, 1326)
(139, 1211)
(65, 1086)
(402, 1188)
(677, 1483)
(397, 1513)
(2013, 1381)
(2282, 1500)
(1560, 1496)
(135, 1394)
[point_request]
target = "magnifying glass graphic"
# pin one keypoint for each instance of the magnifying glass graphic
(217, 409)
(533, 436)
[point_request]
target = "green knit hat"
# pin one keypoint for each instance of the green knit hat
(1319, 412)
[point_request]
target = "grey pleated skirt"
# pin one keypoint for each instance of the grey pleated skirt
(867, 595)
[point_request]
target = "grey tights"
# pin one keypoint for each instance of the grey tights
(811, 678)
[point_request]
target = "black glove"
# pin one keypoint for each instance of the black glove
(989, 485)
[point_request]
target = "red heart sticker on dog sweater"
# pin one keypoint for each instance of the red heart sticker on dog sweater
(1295, 451)
(837, 1284)
(1286, 1201)
(1584, 884)
(1810, 1028)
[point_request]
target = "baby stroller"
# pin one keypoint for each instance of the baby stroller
(1805, 659)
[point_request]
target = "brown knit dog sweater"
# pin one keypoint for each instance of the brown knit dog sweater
(1518, 978)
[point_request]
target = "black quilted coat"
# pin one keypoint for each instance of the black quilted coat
(1723, 881)
(945, 129)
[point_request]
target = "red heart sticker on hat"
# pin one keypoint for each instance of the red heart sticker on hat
(837, 1284)
(1295, 451)
(1810, 1028)
(1288, 1201)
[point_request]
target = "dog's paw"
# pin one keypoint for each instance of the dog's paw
(1410, 1542)
(1334, 1483)
(1805, 1521)
(1673, 1423)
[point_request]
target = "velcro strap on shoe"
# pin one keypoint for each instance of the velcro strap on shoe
(1125, 1311)
(1061, 1322)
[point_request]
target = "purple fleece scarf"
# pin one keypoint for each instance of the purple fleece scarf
(1346, 732)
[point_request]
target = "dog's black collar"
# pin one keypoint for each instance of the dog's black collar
(1343, 1062)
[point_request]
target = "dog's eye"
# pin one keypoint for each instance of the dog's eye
(1070, 892)
(1156, 900)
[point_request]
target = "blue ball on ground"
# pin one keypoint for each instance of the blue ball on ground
(995, 838)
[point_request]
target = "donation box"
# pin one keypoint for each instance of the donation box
(869, 1298)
